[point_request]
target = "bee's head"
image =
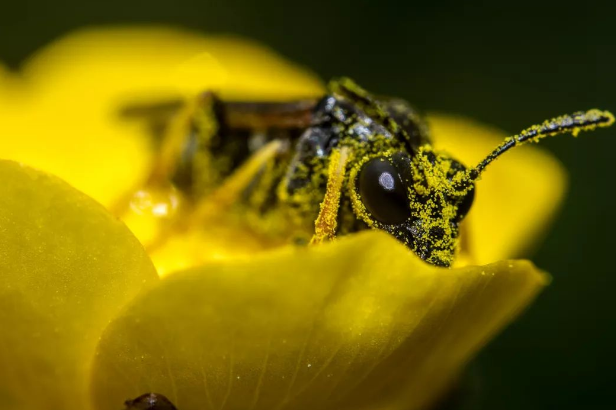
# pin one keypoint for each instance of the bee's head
(422, 197)
(420, 200)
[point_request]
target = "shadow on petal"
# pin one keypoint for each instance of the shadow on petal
(360, 323)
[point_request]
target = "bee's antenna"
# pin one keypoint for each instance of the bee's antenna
(574, 123)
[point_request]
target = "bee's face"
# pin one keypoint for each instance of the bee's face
(396, 182)
(420, 199)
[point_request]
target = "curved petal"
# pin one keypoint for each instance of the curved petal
(67, 118)
(67, 268)
(360, 323)
(200, 246)
(133, 63)
(517, 196)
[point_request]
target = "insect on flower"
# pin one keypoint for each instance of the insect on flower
(309, 170)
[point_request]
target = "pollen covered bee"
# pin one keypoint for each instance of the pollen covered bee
(307, 171)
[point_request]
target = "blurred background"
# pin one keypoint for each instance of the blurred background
(508, 64)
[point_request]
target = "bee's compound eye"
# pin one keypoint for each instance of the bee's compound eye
(383, 193)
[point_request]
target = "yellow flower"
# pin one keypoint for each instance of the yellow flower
(359, 323)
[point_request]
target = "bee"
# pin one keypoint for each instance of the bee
(309, 170)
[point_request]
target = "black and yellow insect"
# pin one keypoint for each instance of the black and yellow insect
(310, 170)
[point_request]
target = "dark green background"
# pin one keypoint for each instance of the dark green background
(509, 64)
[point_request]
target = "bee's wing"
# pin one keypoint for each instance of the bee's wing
(232, 115)
(268, 115)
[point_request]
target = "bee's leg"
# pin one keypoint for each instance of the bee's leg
(174, 135)
(185, 151)
(208, 133)
(216, 204)
(231, 189)
(155, 208)
(326, 222)
(205, 155)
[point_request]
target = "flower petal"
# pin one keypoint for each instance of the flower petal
(517, 196)
(67, 267)
(133, 63)
(201, 245)
(360, 323)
